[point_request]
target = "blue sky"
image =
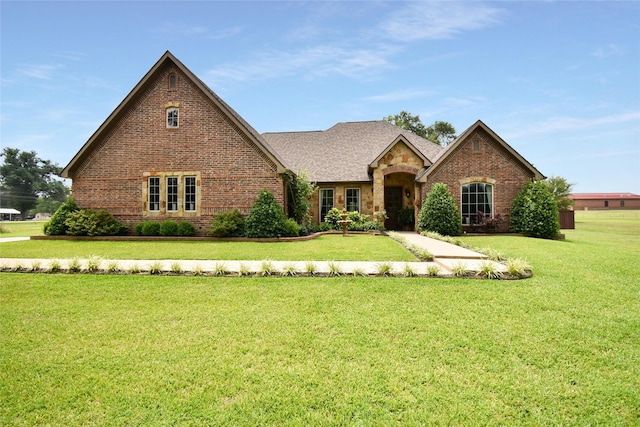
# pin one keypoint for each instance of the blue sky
(559, 81)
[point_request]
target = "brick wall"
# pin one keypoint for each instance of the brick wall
(486, 161)
(232, 170)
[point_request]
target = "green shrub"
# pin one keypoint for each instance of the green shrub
(534, 211)
(266, 217)
(439, 212)
(359, 221)
(186, 229)
(137, 229)
(168, 227)
(291, 228)
(151, 228)
(227, 224)
(56, 225)
(90, 222)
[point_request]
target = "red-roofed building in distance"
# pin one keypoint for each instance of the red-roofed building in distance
(587, 201)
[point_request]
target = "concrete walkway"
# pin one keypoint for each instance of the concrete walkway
(446, 258)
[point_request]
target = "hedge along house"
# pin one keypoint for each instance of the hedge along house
(173, 149)
(374, 166)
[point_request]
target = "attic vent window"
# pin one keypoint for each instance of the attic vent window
(476, 145)
(172, 117)
(172, 81)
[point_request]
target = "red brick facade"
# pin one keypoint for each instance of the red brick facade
(207, 143)
(480, 157)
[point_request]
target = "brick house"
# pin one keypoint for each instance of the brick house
(174, 149)
(601, 201)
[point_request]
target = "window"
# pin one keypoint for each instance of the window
(477, 202)
(353, 199)
(476, 145)
(326, 202)
(622, 203)
(172, 81)
(172, 117)
(190, 193)
(154, 193)
(606, 203)
(172, 193)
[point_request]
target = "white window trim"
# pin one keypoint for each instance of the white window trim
(346, 199)
(175, 110)
(321, 198)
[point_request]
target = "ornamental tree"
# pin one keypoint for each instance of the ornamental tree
(439, 212)
(534, 211)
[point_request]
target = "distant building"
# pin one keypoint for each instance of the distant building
(586, 201)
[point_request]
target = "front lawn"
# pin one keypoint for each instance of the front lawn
(560, 348)
(331, 247)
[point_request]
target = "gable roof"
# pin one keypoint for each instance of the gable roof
(346, 151)
(462, 137)
(244, 127)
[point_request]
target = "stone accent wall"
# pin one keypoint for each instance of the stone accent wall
(399, 159)
(479, 158)
(339, 196)
(232, 170)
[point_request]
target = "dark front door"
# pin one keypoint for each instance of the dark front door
(392, 204)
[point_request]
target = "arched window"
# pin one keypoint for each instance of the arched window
(172, 81)
(477, 202)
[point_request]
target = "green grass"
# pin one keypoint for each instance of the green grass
(560, 348)
(332, 247)
(21, 228)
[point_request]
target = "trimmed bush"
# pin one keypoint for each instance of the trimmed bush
(90, 222)
(168, 227)
(534, 211)
(227, 224)
(439, 212)
(291, 228)
(150, 228)
(266, 217)
(186, 229)
(56, 225)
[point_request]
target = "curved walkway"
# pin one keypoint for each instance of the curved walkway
(446, 258)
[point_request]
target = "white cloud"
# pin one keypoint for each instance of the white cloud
(310, 62)
(439, 20)
(607, 51)
(400, 95)
(39, 71)
(566, 124)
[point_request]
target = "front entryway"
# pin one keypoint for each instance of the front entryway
(392, 204)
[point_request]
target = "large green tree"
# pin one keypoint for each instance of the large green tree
(24, 178)
(560, 188)
(534, 211)
(405, 120)
(441, 133)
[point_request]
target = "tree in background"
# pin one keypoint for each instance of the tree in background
(560, 188)
(441, 133)
(25, 178)
(534, 211)
(406, 121)
(439, 212)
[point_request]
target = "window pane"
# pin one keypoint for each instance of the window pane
(353, 199)
(476, 197)
(172, 193)
(326, 202)
(154, 194)
(190, 193)
(172, 117)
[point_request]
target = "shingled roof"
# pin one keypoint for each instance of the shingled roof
(345, 151)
